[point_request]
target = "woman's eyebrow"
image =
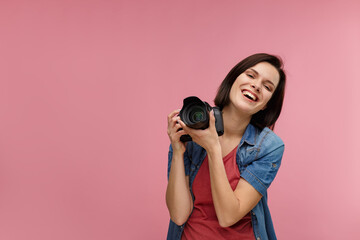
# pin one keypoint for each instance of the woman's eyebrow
(267, 80)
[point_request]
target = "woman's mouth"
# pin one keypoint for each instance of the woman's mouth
(250, 95)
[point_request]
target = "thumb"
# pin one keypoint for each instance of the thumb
(183, 125)
(212, 118)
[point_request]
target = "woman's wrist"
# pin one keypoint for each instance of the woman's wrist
(214, 149)
(178, 153)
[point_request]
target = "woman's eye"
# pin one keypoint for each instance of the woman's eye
(268, 88)
(249, 75)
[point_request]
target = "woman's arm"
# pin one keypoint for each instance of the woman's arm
(230, 206)
(178, 196)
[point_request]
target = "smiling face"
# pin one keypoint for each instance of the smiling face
(253, 88)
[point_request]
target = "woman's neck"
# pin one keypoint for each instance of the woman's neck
(235, 122)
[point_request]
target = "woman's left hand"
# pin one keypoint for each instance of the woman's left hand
(207, 138)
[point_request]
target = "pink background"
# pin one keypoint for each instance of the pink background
(85, 88)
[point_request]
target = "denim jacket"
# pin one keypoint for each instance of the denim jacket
(258, 157)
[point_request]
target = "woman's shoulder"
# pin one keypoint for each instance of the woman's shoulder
(265, 138)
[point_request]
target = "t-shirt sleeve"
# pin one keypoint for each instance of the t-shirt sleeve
(261, 172)
(186, 160)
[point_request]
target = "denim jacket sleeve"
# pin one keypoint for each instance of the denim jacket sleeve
(186, 160)
(265, 162)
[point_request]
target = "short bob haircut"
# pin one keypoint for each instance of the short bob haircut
(268, 116)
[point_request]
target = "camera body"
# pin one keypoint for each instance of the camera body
(195, 114)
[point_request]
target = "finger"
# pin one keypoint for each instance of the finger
(172, 124)
(212, 118)
(179, 133)
(172, 114)
(185, 128)
(183, 125)
(177, 127)
(174, 128)
(172, 121)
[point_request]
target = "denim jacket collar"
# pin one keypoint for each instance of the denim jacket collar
(249, 135)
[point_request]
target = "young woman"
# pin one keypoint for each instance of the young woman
(217, 186)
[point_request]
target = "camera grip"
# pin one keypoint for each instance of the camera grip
(219, 124)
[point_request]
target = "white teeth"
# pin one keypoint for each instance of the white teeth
(246, 93)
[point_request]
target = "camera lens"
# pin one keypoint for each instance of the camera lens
(196, 114)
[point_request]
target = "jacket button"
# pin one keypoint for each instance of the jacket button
(258, 238)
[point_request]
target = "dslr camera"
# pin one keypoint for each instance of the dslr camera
(195, 114)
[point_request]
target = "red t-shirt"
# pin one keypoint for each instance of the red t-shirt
(203, 223)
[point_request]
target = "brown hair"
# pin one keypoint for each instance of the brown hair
(268, 116)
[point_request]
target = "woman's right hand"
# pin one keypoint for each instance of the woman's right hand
(174, 132)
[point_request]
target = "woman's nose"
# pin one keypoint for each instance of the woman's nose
(256, 87)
